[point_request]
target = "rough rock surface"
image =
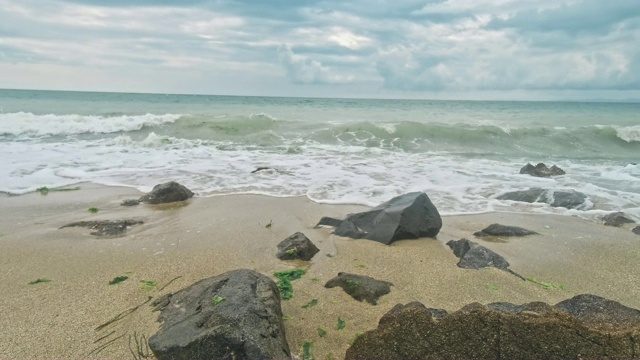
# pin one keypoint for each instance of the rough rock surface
(475, 256)
(541, 170)
(105, 227)
(616, 219)
(556, 198)
(636, 230)
(503, 230)
(360, 287)
(235, 315)
(167, 193)
(505, 331)
(408, 216)
(130, 202)
(296, 246)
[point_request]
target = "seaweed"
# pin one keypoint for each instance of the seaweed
(45, 190)
(39, 281)
(141, 348)
(170, 281)
(546, 285)
(284, 281)
(311, 303)
(268, 226)
(306, 351)
(492, 287)
(148, 284)
(322, 332)
(341, 324)
(218, 299)
(93, 210)
(352, 283)
(118, 279)
(122, 315)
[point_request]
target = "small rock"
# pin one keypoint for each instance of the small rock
(130, 202)
(167, 193)
(616, 219)
(296, 246)
(105, 227)
(261, 168)
(475, 256)
(503, 230)
(556, 198)
(360, 287)
(541, 170)
(636, 230)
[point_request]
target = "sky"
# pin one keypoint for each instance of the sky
(431, 49)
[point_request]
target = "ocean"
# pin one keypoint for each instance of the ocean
(463, 154)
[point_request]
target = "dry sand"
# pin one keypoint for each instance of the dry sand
(207, 236)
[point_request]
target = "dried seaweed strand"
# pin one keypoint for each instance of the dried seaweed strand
(170, 281)
(106, 336)
(99, 349)
(122, 315)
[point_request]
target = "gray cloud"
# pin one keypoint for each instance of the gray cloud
(302, 70)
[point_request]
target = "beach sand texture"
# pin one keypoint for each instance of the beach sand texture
(208, 236)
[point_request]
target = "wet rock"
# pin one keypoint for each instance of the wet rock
(296, 246)
(108, 228)
(235, 315)
(408, 216)
(167, 193)
(475, 256)
(541, 170)
(556, 198)
(360, 287)
(130, 202)
(261, 168)
(504, 331)
(636, 230)
(503, 230)
(616, 219)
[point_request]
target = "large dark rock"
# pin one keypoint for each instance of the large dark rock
(167, 193)
(541, 170)
(408, 216)
(475, 256)
(235, 315)
(556, 198)
(107, 228)
(360, 287)
(503, 230)
(296, 246)
(616, 219)
(505, 331)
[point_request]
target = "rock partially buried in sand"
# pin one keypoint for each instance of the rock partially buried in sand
(475, 256)
(130, 202)
(556, 198)
(636, 230)
(167, 193)
(584, 327)
(503, 230)
(106, 227)
(360, 287)
(296, 246)
(616, 219)
(408, 216)
(541, 170)
(235, 315)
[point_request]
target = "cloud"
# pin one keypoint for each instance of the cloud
(302, 70)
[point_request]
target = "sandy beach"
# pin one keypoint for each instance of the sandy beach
(204, 237)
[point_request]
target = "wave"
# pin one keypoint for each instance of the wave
(32, 125)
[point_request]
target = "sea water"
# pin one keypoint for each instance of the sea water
(463, 154)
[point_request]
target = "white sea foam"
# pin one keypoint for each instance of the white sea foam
(629, 133)
(31, 125)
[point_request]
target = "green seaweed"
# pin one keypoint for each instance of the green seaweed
(355, 337)
(315, 279)
(322, 332)
(546, 285)
(218, 299)
(93, 210)
(292, 251)
(306, 351)
(268, 226)
(148, 284)
(341, 324)
(45, 190)
(492, 287)
(352, 283)
(311, 303)
(287, 317)
(39, 281)
(360, 266)
(118, 279)
(284, 281)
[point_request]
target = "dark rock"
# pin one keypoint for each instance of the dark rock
(541, 170)
(360, 287)
(235, 315)
(636, 230)
(296, 246)
(167, 193)
(408, 216)
(475, 256)
(556, 198)
(106, 227)
(616, 219)
(261, 168)
(130, 202)
(602, 313)
(329, 221)
(503, 230)
(502, 331)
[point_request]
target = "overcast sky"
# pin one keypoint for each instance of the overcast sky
(441, 49)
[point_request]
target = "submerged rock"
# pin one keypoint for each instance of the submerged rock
(636, 230)
(616, 219)
(556, 198)
(584, 327)
(475, 256)
(105, 227)
(541, 170)
(167, 193)
(360, 287)
(235, 315)
(408, 216)
(503, 230)
(296, 246)
(130, 202)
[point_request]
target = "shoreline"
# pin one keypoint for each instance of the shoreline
(207, 236)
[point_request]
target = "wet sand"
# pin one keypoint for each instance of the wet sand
(208, 236)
